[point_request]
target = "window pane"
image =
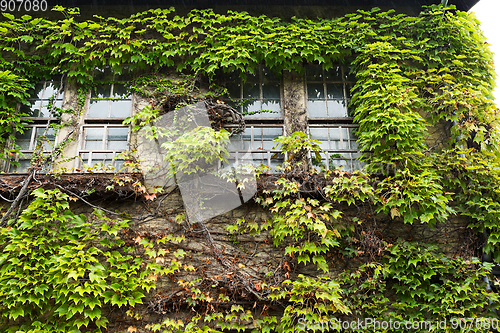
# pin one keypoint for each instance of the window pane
(234, 90)
(26, 135)
(335, 90)
(349, 87)
(349, 77)
(317, 108)
(271, 90)
(101, 91)
(252, 106)
(116, 145)
(251, 90)
(93, 145)
(98, 109)
(117, 133)
(120, 91)
(38, 90)
(268, 75)
(103, 74)
(30, 110)
(119, 164)
(23, 164)
(247, 134)
(51, 89)
(320, 134)
(24, 145)
(271, 132)
(94, 133)
(273, 106)
(337, 109)
(50, 136)
(314, 73)
(120, 109)
(334, 74)
(315, 90)
(44, 112)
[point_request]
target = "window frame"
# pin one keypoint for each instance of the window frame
(257, 120)
(331, 123)
(103, 122)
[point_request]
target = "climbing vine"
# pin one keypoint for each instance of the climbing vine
(412, 73)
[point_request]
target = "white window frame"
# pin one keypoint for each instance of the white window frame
(81, 145)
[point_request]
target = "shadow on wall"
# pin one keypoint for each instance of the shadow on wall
(182, 148)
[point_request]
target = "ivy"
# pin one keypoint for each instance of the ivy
(58, 270)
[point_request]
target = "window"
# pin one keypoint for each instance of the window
(47, 95)
(103, 143)
(28, 142)
(258, 98)
(330, 119)
(255, 145)
(39, 102)
(102, 137)
(339, 144)
(328, 92)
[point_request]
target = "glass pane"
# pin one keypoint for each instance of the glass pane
(335, 90)
(268, 75)
(349, 87)
(334, 74)
(315, 90)
(259, 156)
(98, 109)
(120, 109)
(125, 75)
(103, 74)
(337, 109)
(247, 134)
(232, 76)
(93, 145)
(30, 110)
(349, 76)
(252, 77)
(101, 91)
(234, 90)
(24, 164)
(352, 133)
(235, 144)
(251, 90)
(92, 133)
(336, 145)
(268, 145)
(271, 90)
(38, 90)
(118, 133)
(273, 106)
(24, 145)
(43, 112)
(252, 106)
(320, 134)
(271, 132)
(51, 89)
(119, 164)
(116, 145)
(26, 135)
(120, 91)
(334, 133)
(317, 108)
(50, 133)
(314, 73)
